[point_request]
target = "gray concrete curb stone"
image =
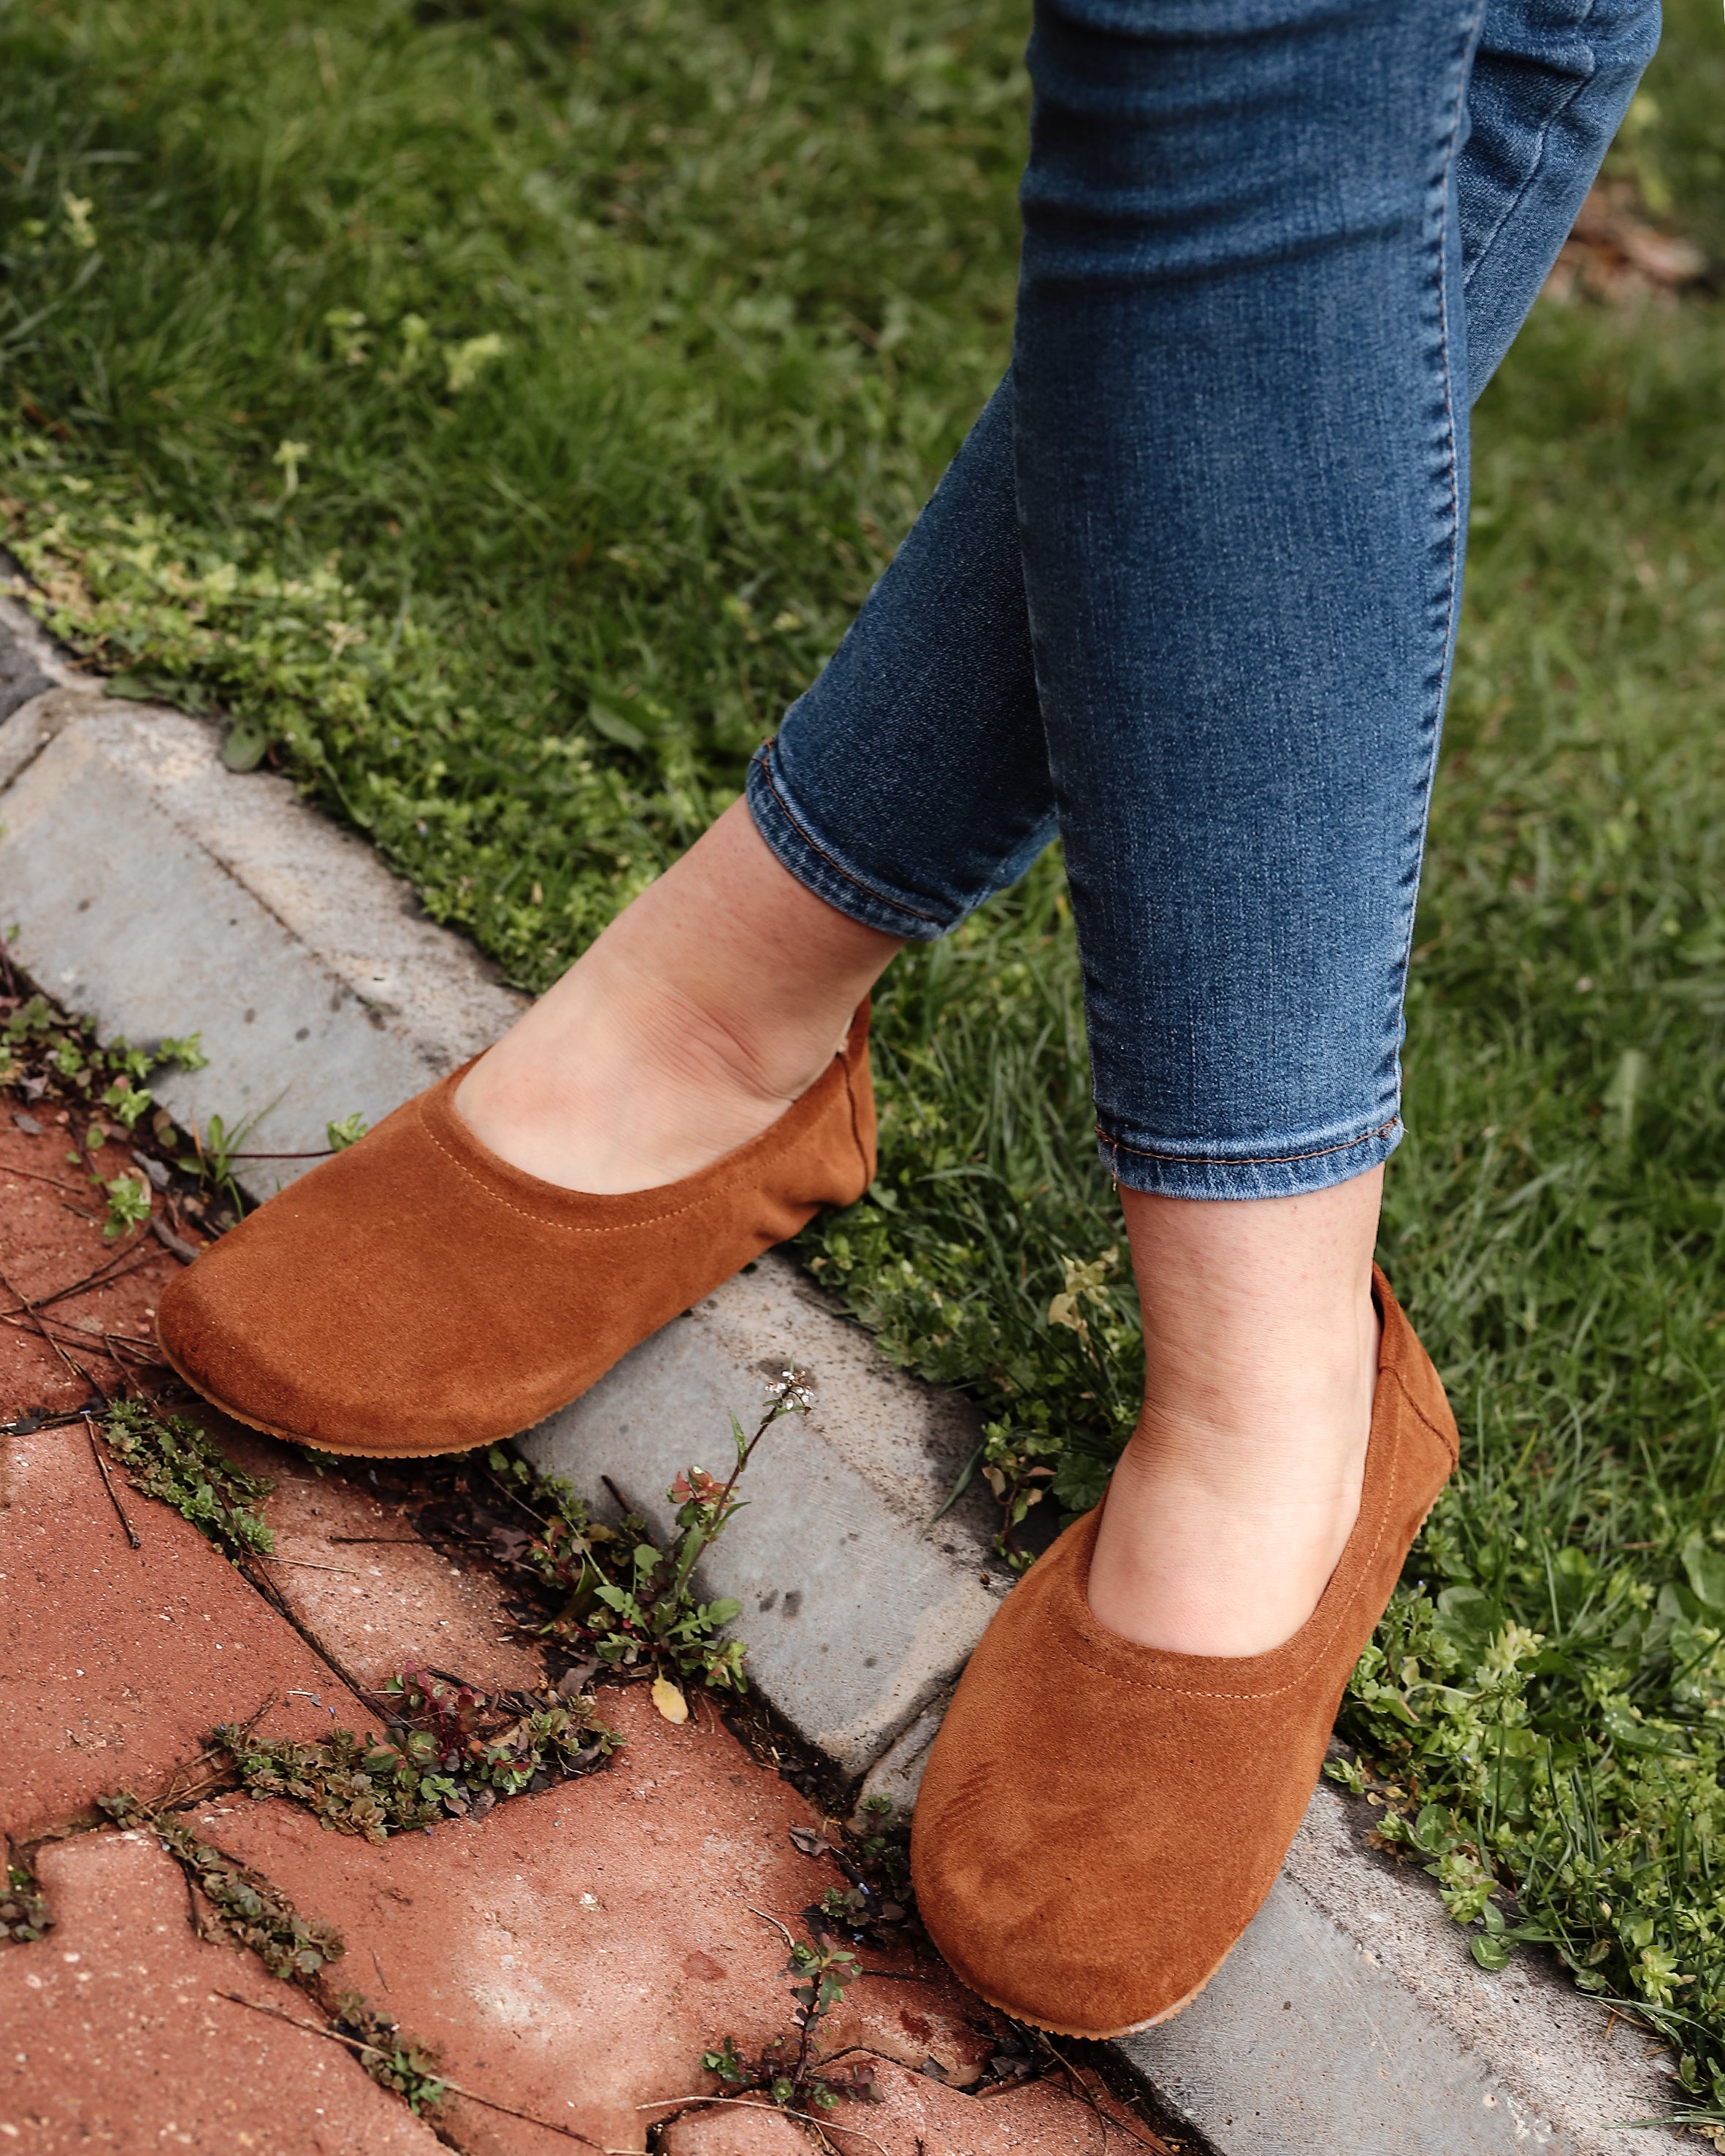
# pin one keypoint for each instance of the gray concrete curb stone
(29, 662)
(855, 1619)
(160, 893)
(1351, 2016)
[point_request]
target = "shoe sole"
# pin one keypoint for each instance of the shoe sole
(1102, 2036)
(318, 1443)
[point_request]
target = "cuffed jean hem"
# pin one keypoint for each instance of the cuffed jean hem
(1216, 1176)
(786, 831)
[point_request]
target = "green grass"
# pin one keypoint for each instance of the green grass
(670, 315)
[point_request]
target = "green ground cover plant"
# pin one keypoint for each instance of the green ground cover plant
(173, 1460)
(496, 413)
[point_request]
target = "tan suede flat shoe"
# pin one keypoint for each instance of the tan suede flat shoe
(1100, 1821)
(416, 1294)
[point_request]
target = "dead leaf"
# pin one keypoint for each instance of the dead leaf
(809, 1842)
(669, 1701)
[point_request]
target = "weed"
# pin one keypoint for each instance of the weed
(334, 1778)
(398, 2062)
(453, 1753)
(128, 1205)
(621, 1596)
(171, 1459)
(213, 1150)
(46, 1058)
(456, 1732)
(1573, 1773)
(52, 1061)
(243, 1907)
(23, 1910)
(790, 2070)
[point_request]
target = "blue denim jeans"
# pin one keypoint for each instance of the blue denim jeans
(1188, 591)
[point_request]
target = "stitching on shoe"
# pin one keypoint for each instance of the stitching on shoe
(1299, 1677)
(1452, 1446)
(570, 1228)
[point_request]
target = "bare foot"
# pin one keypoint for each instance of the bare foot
(1238, 1492)
(686, 1029)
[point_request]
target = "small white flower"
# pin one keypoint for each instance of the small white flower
(792, 1391)
(82, 231)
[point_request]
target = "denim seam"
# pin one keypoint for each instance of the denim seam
(1249, 1160)
(1446, 172)
(1538, 163)
(880, 897)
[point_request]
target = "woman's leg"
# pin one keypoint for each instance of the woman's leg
(910, 783)
(684, 1029)
(1256, 239)
(1240, 375)
(1244, 585)
(1257, 874)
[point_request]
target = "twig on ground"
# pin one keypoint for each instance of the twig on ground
(142, 1349)
(1074, 2075)
(175, 1244)
(311, 1565)
(620, 1498)
(95, 1454)
(76, 1367)
(782, 1931)
(27, 1425)
(132, 1253)
(54, 1183)
(322, 1152)
(1074, 2080)
(455, 2088)
(748, 2104)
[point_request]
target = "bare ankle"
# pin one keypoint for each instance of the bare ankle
(1237, 1494)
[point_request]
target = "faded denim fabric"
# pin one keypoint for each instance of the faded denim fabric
(1188, 591)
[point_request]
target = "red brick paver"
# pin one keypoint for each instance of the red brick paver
(115, 2042)
(52, 1237)
(375, 1604)
(572, 1954)
(730, 2130)
(918, 2117)
(116, 1663)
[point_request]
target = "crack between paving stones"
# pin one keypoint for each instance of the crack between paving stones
(455, 2088)
(272, 1594)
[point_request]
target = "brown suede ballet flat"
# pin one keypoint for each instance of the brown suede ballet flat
(1099, 1821)
(416, 1294)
